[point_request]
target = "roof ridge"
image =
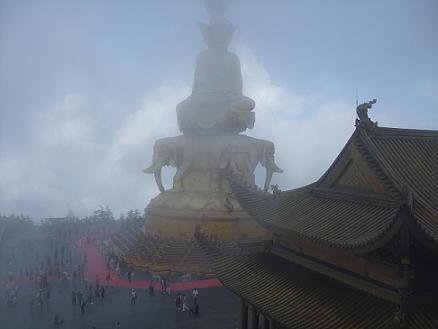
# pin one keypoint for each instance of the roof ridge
(372, 198)
(391, 131)
(377, 156)
(338, 159)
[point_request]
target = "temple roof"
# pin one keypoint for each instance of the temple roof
(321, 217)
(302, 299)
(410, 157)
(362, 200)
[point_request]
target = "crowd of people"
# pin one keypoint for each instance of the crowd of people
(182, 305)
(52, 258)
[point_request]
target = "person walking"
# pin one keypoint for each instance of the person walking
(31, 300)
(108, 279)
(151, 287)
(195, 294)
(73, 297)
(102, 293)
(75, 274)
(178, 302)
(196, 310)
(96, 294)
(82, 305)
(40, 300)
(133, 296)
(80, 297)
(184, 303)
(48, 294)
(90, 298)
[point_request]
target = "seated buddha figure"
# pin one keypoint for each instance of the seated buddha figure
(216, 102)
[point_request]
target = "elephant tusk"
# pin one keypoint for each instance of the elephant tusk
(268, 178)
(157, 175)
(271, 167)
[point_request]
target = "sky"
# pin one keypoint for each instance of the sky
(86, 87)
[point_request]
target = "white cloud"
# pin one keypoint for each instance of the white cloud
(308, 133)
(157, 115)
(308, 130)
(132, 147)
(69, 166)
(271, 99)
(428, 88)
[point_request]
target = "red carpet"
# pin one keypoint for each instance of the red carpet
(96, 265)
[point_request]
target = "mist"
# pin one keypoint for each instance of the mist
(87, 88)
(218, 164)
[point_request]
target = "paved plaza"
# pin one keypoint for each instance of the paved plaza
(219, 309)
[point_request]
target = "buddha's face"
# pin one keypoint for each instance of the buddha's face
(217, 35)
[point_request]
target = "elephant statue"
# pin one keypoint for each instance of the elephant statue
(165, 154)
(211, 154)
(243, 159)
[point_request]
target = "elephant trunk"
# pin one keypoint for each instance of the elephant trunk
(151, 170)
(156, 170)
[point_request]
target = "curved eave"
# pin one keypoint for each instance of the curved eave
(355, 248)
(220, 262)
(423, 225)
(288, 294)
(265, 209)
(296, 297)
(422, 236)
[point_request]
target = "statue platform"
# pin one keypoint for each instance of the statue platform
(177, 214)
(201, 195)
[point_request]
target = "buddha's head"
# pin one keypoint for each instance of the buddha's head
(218, 34)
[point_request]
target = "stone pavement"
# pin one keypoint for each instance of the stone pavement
(219, 309)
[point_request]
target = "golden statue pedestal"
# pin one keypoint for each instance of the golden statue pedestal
(172, 218)
(176, 214)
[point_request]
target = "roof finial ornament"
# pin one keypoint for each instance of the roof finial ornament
(362, 113)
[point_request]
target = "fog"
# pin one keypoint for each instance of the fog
(87, 87)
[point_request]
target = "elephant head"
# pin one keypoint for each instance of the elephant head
(165, 154)
(243, 161)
